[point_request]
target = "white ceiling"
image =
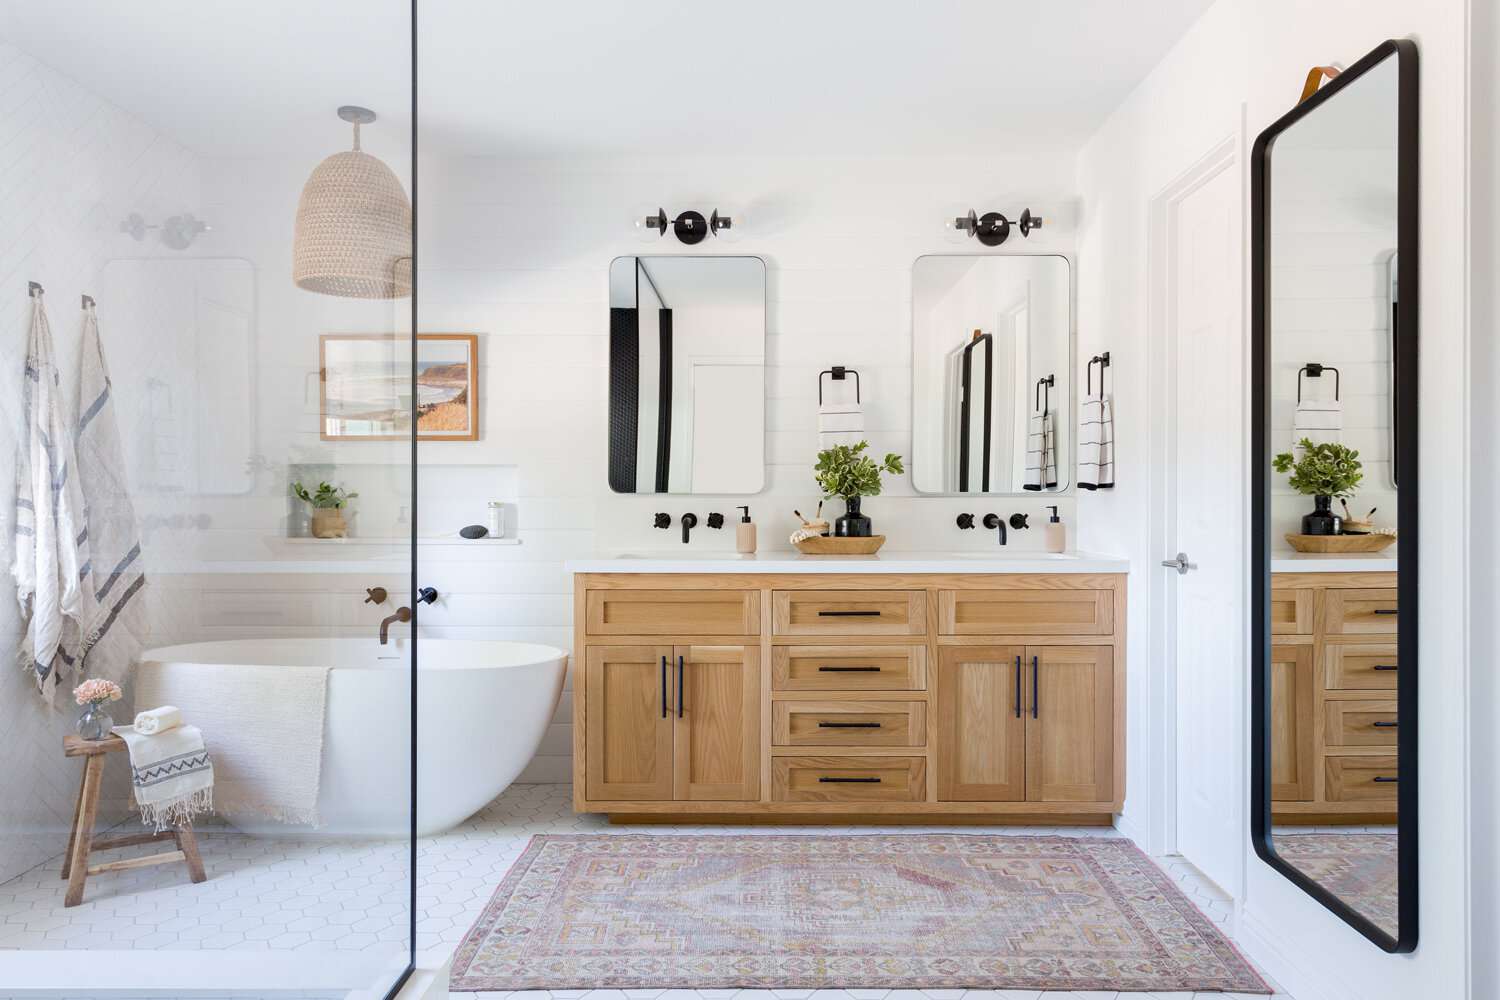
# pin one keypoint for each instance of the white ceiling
(583, 77)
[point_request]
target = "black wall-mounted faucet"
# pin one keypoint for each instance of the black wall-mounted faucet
(966, 521)
(993, 522)
(661, 521)
(689, 522)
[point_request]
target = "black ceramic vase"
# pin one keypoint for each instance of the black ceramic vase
(853, 524)
(1322, 521)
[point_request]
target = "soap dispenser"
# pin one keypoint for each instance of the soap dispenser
(744, 533)
(1056, 533)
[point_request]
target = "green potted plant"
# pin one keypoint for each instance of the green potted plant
(846, 471)
(328, 504)
(1323, 472)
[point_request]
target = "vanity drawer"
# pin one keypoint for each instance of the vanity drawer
(850, 612)
(849, 723)
(673, 612)
(1359, 723)
(1027, 612)
(1365, 666)
(848, 779)
(1359, 612)
(1291, 612)
(849, 668)
(1359, 779)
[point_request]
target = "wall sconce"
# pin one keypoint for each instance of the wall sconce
(690, 227)
(991, 228)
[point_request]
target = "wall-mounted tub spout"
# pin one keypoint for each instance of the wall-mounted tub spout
(402, 614)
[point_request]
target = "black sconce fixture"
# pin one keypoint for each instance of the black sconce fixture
(993, 228)
(690, 227)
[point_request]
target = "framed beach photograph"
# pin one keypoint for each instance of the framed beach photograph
(367, 385)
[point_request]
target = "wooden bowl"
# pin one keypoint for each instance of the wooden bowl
(828, 545)
(1340, 543)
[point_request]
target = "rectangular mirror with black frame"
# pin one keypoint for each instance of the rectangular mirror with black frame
(1334, 501)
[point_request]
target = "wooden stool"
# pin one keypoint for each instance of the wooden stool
(81, 840)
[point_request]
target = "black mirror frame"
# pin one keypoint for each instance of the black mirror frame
(1405, 357)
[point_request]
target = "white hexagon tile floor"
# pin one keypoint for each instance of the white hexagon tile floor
(319, 894)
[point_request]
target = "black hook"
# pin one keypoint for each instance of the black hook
(1102, 360)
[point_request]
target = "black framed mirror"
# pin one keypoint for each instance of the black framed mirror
(1334, 500)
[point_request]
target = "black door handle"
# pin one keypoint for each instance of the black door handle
(1384, 780)
(1383, 725)
(848, 614)
(664, 686)
(1018, 685)
(1036, 697)
(849, 781)
(848, 725)
(1385, 666)
(849, 670)
(1387, 611)
(681, 671)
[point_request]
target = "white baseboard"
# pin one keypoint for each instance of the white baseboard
(1265, 945)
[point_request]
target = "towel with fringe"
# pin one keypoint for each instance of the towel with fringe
(1096, 444)
(171, 773)
(1041, 452)
(49, 525)
(114, 619)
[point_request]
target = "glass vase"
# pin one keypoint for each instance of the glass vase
(853, 524)
(95, 723)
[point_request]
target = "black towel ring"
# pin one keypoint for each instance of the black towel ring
(1102, 360)
(1314, 370)
(839, 373)
(1037, 404)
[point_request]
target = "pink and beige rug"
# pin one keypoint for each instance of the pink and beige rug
(1359, 868)
(876, 911)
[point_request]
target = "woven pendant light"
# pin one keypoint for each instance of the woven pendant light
(353, 233)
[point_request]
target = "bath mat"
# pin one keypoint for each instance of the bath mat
(606, 911)
(1359, 868)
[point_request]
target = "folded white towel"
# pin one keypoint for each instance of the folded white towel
(1096, 444)
(840, 422)
(1319, 420)
(157, 720)
(1041, 453)
(172, 775)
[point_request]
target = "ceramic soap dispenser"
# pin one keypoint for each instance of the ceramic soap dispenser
(744, 533)
(1055, 534)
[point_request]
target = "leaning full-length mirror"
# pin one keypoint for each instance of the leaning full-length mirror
(1335, 667)
(687, 377)
(991, 355)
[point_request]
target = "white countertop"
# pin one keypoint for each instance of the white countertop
(1332, 562)
(884, 562)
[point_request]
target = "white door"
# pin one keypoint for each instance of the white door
(1206, 490)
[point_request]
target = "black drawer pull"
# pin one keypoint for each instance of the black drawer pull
(1385, 666)
(849, 670)
(854, 725)
(1384, 780)
(1383, 725)
(1386, 611)
(849, 781)
(848, 614)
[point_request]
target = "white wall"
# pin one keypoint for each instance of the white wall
(1247, 59)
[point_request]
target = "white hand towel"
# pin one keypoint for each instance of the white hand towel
(114, 621)
(1319, 420)
(1096, 445)
(49, 520)
(1041, 453)
(840, 423)
(157, 720)
(172, 774)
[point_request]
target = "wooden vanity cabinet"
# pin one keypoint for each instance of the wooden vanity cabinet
(1333, 698)
(904, 696)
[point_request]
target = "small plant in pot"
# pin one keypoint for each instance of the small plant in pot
(846, 471)
(1323, 472)
(328, 504)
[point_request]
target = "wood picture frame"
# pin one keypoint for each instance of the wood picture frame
(368, 391)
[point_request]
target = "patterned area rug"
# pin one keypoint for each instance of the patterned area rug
(875, 911)
(1359, 868)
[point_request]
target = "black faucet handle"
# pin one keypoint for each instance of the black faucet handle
(689, 522)
(991, 521)
(427, 595)
(716, 520)
(966, 521)
(1018, 521)
(376, 595)
(661, 521)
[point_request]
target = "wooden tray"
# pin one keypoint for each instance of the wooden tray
(1340, 543)
(827, 545)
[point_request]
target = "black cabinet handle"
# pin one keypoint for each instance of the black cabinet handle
(1386, 611)
(663, 687)
(681, 671)
(1384, 780)
(1385, 666)
(1383, 725)
(849, 781)
(1036, 697)
(848, 614)
(1018, 685)
(849, 670)
(848, 725)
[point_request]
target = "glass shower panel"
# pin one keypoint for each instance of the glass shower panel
(223, 193)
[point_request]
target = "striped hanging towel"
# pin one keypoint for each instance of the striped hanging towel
(1041, 452)
(114, 619)
(49, 521)
(1096, 444)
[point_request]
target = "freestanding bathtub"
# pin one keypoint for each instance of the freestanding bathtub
(482, 709)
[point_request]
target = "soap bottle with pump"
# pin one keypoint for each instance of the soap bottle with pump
(744, 533)
(1055, 533)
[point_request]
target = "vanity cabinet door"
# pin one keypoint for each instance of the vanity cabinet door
(981, 724)
(1291, 737)
(628, 723)
(1070, 731)
(717, 739)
